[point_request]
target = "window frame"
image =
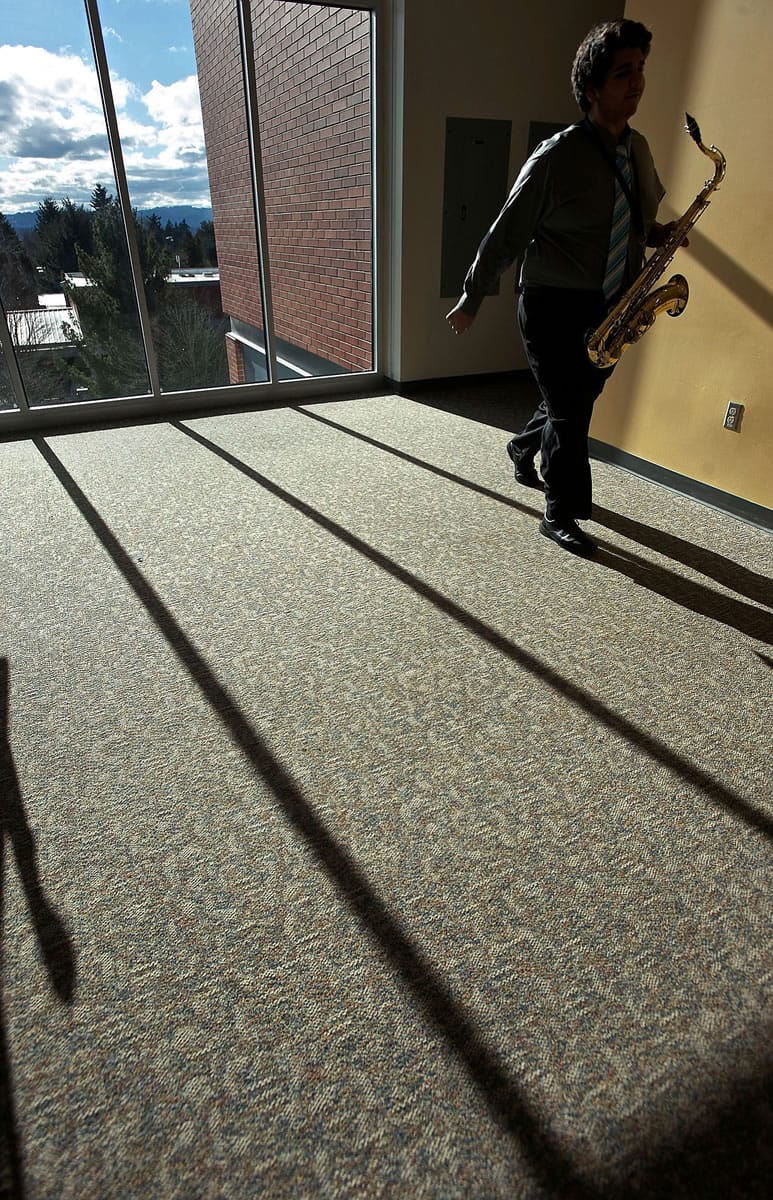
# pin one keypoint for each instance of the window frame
(275, 391)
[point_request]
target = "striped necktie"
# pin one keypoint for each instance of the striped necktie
(621, 224)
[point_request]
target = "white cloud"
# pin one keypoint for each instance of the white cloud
(176, 112)
(113, 32)
(175, 103)
(53, 139)
(41, 86)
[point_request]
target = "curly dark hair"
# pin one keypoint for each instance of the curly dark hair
(594, 57)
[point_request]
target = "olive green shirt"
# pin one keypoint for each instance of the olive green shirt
(557, 218)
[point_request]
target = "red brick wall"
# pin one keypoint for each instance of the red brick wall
(216, 38)
(235, 361)
(313, 79)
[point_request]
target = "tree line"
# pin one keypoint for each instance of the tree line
(110, 359)
(65, 230)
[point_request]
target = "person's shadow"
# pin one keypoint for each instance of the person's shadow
(756, 587)
(56, 948)
(750, 616)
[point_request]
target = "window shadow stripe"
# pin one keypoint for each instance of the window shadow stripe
(755, 818)
(747, 618)
(489, 493)
(431, 994)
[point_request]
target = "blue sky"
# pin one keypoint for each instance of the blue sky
(52, 134)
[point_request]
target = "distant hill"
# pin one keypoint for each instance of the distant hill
(23, 222)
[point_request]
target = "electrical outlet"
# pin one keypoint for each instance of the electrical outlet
(733, 416)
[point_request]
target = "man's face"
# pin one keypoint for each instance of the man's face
(618, 97)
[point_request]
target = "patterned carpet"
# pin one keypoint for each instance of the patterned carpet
(358, 841)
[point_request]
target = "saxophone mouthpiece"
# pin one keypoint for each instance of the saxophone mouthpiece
(691, 126)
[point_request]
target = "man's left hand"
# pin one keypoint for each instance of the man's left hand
(659, 234)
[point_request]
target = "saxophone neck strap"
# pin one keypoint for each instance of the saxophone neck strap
(597, 140)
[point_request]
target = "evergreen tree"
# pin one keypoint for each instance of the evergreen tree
(100, 197)
(186, 245)
(18, 278)
(204, 239)
(62, 230)
(111, 359)
(108, 266)
(111, 351)
(190, 347)
(154, 256)
(44, 372)
(76, 232)
(48, 234)
(47, 214)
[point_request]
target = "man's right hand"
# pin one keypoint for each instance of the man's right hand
(459, 321)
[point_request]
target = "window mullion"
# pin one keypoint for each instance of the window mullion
(9, 354)
(256, 164)
(375, 184)
(122, 187)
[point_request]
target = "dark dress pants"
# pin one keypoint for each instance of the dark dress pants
(554, 324)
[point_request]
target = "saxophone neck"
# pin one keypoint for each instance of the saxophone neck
(692, 127)
(719, 164)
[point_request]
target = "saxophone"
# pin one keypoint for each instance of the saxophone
(637, 309)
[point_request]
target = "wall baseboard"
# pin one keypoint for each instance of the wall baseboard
(492, 379)
(506, 382)
(735, 506)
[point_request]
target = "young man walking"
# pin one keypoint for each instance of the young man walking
(578, 219)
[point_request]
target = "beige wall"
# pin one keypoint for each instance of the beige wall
(667, 400)
(496, 59)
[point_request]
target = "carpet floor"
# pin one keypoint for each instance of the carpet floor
(358, 841)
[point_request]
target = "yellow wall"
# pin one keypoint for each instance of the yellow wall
(667, 400)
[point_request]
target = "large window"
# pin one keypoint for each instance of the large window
(312, 67)
(185, 197)
(7, 397)
(71, 342)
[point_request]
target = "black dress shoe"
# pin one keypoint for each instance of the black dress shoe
(525, 471)
(568, 535)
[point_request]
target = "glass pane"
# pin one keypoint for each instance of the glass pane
(7, 395)
(163, 135)
(65, 282)
(224, 120)
(314, 99)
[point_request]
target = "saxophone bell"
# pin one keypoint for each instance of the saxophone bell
(678, 290)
